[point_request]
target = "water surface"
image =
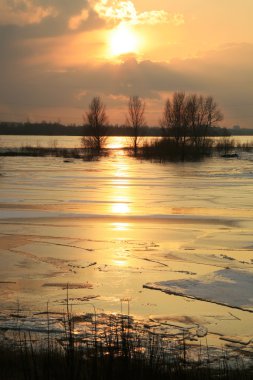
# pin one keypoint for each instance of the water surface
(172, 242)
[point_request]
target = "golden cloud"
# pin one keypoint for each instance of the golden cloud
(124, 11)
(116, 10)
(160, 17)
(75, 21)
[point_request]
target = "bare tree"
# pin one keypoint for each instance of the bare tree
(206, 115)
(174, 115)
(136, 119)
(187, 119)
(166, 121)
(174, 121)
(96, 119)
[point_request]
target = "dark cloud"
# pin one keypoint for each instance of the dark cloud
(145, 78)
(13, 37)
(226, 74)
(56, 23)
(65, 6)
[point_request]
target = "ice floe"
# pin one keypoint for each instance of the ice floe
(227, 287)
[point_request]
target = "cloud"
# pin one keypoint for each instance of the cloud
(66, 7)
(45, 46)
(23, 12)
(160, 17)
(47, 18)
(125, 11)
(116, 10)
(75, 21)
(48, 90)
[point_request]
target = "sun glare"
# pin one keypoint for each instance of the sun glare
(123, 41)
(120, 226)
(120, 208)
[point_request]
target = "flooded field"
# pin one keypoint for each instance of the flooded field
(171, 244)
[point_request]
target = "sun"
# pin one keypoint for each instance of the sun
(123, 40)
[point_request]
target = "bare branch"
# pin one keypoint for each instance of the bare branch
(97, 121)
(135, 118)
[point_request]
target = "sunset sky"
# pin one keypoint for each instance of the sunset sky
(55, 55)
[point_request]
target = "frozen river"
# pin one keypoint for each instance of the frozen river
(171, 242)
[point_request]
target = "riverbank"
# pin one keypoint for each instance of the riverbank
(158, 149)
(112, 347)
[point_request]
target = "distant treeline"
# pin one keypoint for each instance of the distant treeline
(58, 129)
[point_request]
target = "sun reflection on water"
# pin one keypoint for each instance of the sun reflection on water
(120, 208)
(120, 263)
(117, 142)
(120, 181)
(120, 226)
(121, 202)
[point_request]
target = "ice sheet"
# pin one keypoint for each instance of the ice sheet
(227, 287)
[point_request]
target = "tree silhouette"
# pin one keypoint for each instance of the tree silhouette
(136, 119)
(174, 120)
(188, 118)
(96, 120)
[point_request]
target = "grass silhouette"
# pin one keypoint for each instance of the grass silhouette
(110, 347)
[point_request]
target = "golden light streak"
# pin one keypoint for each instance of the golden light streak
(120, 226)
(119, 263)
(120, 208)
